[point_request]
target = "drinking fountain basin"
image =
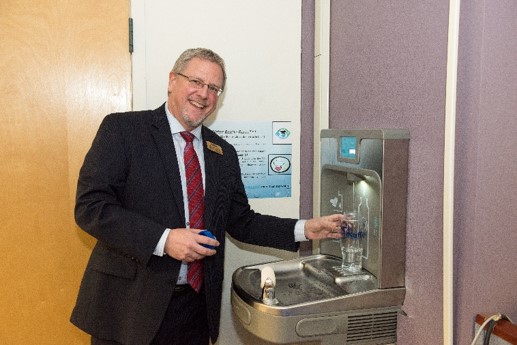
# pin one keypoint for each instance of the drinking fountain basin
(313, 298)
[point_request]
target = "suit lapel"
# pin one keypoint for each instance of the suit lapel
(212, 177)
(163, 138)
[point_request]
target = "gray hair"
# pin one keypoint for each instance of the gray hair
(200, 53)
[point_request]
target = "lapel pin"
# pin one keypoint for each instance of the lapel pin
(214, 147)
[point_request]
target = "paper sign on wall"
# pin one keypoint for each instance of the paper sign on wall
(265, 153)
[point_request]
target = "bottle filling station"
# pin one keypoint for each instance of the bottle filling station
(350, 291)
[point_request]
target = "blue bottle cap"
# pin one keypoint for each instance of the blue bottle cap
(207, 233)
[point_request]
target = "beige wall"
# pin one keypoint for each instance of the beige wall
(63, 66)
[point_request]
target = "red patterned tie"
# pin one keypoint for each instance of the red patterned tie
(196, 204)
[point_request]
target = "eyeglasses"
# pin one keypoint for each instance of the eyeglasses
(198, 84)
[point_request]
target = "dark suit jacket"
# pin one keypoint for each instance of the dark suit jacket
(128, 192)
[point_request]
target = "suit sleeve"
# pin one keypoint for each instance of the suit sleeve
(100, 209)
(248, 226)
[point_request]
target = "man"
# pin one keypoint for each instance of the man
(135, 196)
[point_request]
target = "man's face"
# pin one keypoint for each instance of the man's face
(191, 105)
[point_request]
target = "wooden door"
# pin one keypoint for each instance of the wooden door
(63, 65)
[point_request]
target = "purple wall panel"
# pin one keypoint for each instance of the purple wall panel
(388, 70)
(486, 171)
(307, 110)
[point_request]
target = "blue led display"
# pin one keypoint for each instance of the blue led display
(348, 147)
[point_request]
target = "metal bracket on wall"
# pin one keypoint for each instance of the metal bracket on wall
(130, 35)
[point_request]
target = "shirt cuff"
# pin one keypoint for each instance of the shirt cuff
(160, 247)
(299, 231)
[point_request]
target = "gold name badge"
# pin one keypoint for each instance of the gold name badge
(214, 147)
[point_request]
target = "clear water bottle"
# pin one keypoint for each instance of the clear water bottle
(351, 245)
(363, 216)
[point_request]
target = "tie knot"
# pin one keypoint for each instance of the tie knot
(189, 137)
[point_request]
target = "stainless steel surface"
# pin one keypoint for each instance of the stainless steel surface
(268, 293)
(315, 299)
(380, 174)
(313, 284)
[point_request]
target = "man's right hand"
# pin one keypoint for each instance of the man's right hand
(186, 245)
